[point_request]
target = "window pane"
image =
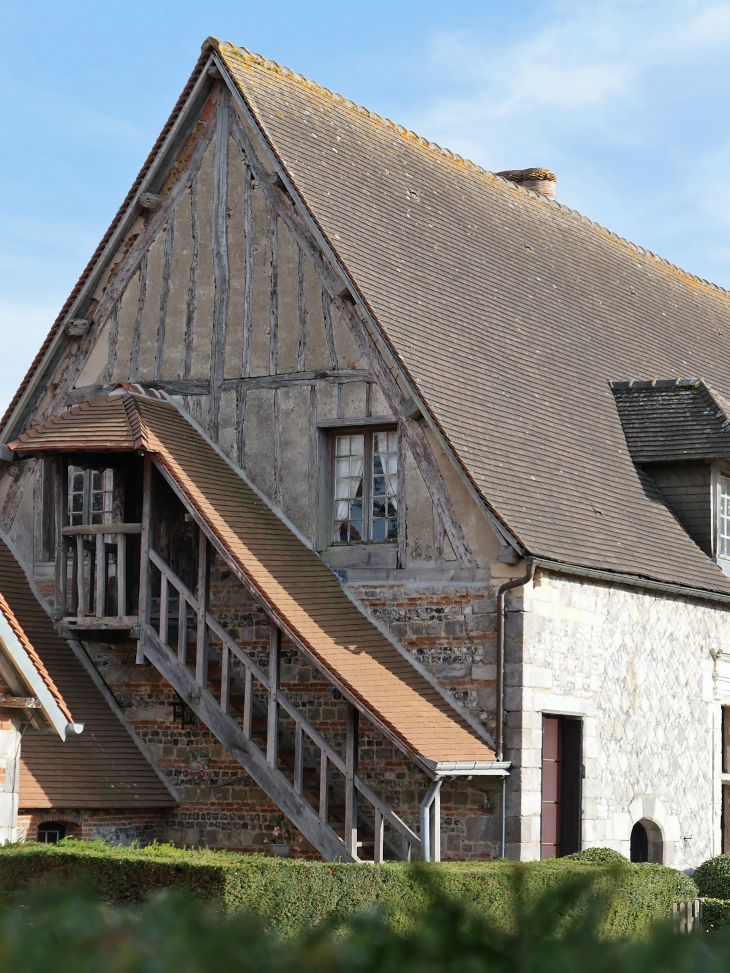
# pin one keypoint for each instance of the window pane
(384, 488)
(349, 459)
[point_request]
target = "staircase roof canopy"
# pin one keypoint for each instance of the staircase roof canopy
(284, 573)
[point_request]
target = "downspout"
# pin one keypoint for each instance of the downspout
(499, 730)
(514, 583)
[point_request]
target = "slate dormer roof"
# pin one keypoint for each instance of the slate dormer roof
(673, 419)
(509, 314)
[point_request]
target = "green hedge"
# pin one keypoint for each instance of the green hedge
(293, 894)
(715, 914)
(713, 877)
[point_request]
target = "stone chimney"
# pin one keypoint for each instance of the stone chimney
(538, 180)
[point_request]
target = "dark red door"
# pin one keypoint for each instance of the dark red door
(552, 773)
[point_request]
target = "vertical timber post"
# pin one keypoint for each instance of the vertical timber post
(60, 483)
(201, 654)
(350, 772)
(272, 729)
(145, 575)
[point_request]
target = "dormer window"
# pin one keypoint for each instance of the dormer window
(723, 533)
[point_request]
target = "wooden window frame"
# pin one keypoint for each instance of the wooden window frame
(368, 432)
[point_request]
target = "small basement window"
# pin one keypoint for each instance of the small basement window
(365, 487)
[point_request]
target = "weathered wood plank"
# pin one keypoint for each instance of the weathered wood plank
(378, 835)
(340, 401)
(80, 586)
(112, 354)
(19, 702)
(329, 333)
(298, 759)
(221, 269)
(274, 295)
(60, 488)
(313, 466)
(401, 520)
(100, 575)
(351, 750)
(272, 781)
(136, 337)
(369, 422)
(121, 575)
(201, 649)
(102, 529)
(164, 292)
(190, 306)
(145, 574)
(369, 399)
(248, 287)
(302, 311)
(324, 788)
(278, 471)
(438, 537)
(241, 427)
(20, 478)
(272, 724)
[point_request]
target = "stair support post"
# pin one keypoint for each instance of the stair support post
(145, 574)
(351, 771)
(272, 728)
(201, 653)
(60, 485)
(324, 787)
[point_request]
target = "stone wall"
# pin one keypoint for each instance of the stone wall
(118, 827)
(638, 668)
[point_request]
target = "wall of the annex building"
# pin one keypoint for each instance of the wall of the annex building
(638, 668)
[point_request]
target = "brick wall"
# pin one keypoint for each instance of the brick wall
(118, 827)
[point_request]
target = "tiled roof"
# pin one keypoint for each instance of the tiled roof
(672, 420)
(287, 576)
(510, 313)
(34, 657)
(100, 768)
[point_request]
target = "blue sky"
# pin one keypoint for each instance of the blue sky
(626, 100)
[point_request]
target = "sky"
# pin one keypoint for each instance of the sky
(625, 100)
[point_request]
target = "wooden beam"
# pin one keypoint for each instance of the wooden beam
(100, 575)
(401, 511)
(60, 490)
(302, 310)
(164, 292)
(248, 285)
(137, 333)
(93, 624)
(272, 726)
(112, 352)
(253, 761)
(329, 334)
(369, 422)
(145, 573)
(274, 296)
(101, 529)
(192, 286)
(201, 650)
(19, 702)
(351, 749)
(221, 271)
(298, 759)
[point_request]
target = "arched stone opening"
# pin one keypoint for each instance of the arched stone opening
(647, 843)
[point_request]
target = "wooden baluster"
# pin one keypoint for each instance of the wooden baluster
(74, 579)
(164, 608)
(351, 771)
(248, 705)
(436, 827)
(91, 587)
(406, 849)
(324, 787)
(272, 729)
(298, 759)
(121, 574)
(100, 575)
(225, 677)
(378, 836)
(60, 484)
(182, 629)
(80, 586)
(201, 654)
(145, 573)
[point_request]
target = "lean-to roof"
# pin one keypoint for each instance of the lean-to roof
(100, 768)
(286, 575)
(511, 314)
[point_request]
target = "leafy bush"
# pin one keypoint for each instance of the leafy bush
(715, 914)
(598, 856)
(290, 895)
(557, 932)
(713, 877)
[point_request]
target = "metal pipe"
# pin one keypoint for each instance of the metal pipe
(426, 818)
(514, 583)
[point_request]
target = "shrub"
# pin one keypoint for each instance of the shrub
(715, 914)
(290, 895)
(598, 856)
(713, 877)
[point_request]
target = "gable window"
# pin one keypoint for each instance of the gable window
(366, 487)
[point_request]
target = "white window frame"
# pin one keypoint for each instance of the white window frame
(368, 432)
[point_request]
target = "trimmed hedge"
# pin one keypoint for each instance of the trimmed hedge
(290, 895)
(715, 914)
(713, 877)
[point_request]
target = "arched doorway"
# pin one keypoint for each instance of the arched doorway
(647, 844)
(51, 832)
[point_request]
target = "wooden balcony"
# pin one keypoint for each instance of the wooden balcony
(92, 579)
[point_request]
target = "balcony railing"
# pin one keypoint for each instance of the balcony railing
(97, 570)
